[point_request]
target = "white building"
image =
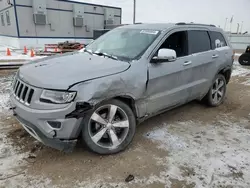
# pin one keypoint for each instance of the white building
(34, 23)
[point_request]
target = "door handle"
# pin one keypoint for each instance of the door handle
(215, 56)
(187, 63)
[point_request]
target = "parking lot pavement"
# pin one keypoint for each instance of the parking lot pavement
(191, 146)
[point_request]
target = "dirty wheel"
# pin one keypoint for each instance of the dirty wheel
(109, 128)
(216, 94)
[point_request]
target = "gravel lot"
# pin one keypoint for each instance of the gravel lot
(191, 146)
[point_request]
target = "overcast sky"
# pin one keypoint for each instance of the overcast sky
(200, 11)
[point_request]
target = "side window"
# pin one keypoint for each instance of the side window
(8, 17)
(2, 20)
(217, 39)
(198, 41)
(178, 42)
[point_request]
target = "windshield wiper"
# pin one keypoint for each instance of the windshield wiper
(106, 55)
(88, 51)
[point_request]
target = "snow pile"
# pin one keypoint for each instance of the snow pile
(207, 155)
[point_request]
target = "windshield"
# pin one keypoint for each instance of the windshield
(124, 44)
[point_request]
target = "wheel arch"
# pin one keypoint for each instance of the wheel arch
(226, 72)
(129, 100)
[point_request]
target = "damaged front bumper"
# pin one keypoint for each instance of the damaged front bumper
(51, 127)
(62, 145)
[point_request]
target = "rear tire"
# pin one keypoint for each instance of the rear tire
(217, 92)
(244, 59)
(109, 128)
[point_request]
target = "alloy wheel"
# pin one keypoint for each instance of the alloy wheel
(108, 126)
(218, 90)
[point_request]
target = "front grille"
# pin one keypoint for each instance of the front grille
(22, 92)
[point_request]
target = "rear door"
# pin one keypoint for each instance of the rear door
(203, 60)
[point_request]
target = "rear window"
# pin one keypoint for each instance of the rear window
(217, 39)
(199, 41)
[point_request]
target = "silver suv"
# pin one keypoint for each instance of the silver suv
(127, 75)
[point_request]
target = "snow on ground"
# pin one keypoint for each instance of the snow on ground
(5, 85)
(246, 82)
(13, 163)
(209, 155)
(15, 54)
(237, 54)
(18, 56)
(10, 158)
(4, 47)
(239, 70)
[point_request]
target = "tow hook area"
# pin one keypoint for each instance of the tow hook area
(13, 108)
(81, 109)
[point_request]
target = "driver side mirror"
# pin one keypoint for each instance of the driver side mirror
(164, 55)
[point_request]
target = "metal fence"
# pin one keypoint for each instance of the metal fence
(239, 42)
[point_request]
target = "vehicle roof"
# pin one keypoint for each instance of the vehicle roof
(165, 26)
(155, 26)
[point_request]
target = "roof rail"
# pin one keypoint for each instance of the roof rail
(183, 23)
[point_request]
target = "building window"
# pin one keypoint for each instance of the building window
(8, 17)
(2, 20)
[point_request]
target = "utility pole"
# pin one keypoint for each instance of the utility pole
(225, 26)
(241, 27)
(134, 11)
(231, 22)
(238, 27)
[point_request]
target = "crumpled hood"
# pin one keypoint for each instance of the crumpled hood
(62, 71)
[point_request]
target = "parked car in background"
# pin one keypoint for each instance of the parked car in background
(244, 59)
(125, 76)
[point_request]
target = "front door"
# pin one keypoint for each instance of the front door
(168, 82)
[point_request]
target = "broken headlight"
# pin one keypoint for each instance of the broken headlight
(58, 97)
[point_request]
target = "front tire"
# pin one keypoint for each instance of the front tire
(109, 128)
(217, 92)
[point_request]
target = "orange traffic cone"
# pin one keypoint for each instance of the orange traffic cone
(8, 52)
(25, 51)
(32, 54)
